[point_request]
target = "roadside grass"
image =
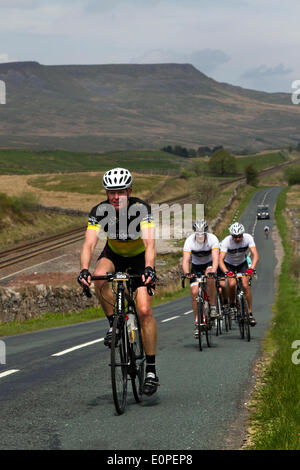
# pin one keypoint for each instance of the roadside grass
(274, 407)
(21, 222)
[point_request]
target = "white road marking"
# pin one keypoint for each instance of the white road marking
(169, 319)
(8, 372)
(30, 267)
(186, 313)
(66, 351)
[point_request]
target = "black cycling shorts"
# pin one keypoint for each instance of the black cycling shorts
(132, 265)
(240, 268)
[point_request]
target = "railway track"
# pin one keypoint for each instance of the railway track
(32, 249)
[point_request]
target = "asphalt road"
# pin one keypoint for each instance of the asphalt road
(64, 401)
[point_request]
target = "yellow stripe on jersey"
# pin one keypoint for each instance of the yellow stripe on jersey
(126, 248)
(93, 227)
(146, 224)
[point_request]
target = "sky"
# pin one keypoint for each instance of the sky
(249, 43)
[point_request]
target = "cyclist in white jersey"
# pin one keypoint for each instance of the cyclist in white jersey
(233, 259)
(267, 231)
(201, 249)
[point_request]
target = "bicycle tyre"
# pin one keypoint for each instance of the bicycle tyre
(219, 316)
(119, 364)
(246, 319)
(209, 327)
(240, 318)
(137, 364)
(226, 318)
(200, 322)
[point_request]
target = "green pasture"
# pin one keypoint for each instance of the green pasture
(31, 162)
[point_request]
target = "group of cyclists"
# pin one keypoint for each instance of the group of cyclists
(207, 255)
(134, 251)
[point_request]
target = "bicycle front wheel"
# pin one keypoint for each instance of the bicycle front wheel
(137, 364)
(246, 319)
(119, 364)
(210, 324)
(240, 318)
(219, 316)
(200, 323)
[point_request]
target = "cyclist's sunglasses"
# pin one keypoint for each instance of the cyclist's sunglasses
(237, 236)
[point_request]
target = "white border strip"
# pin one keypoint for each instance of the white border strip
(169, 319)
(66, 351)
(8, 372)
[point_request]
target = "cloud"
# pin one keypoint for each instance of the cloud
(273, 79)
(264, 71)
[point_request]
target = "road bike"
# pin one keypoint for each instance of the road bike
(127, 351)
(204, 321)
(242, 315)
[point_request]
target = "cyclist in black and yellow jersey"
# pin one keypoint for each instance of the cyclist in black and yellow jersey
(128, 224)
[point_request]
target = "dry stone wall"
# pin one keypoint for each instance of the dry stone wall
(34, 301)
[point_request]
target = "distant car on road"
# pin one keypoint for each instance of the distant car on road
(263, 212)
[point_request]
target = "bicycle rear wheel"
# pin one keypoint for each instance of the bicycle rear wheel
(137, 364)
(119, 364)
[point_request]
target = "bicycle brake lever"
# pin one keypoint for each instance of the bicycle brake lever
(150, 291)
(86, 291)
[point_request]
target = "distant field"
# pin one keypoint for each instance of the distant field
(32, 162)
(86, 183)
(259, 161)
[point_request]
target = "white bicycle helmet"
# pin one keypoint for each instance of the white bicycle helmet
(236, 229)
(117, 178)
(200, 225)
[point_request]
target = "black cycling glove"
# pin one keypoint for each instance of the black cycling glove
(84, 274)
(150, 272)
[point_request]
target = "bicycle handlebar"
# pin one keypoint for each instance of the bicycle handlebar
(236, 275)
(203, 276)
(115, 276)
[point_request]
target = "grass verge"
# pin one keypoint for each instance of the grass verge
(275, 410)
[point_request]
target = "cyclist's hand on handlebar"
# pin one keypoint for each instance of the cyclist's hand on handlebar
(229, 274)
(149, 277)
(189, 275)
(84, 278)
(250, 272)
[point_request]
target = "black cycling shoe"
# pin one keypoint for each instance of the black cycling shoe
(150, 384)
(252, 320)
(108, 337)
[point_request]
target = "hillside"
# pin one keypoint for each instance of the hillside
(113, 107)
